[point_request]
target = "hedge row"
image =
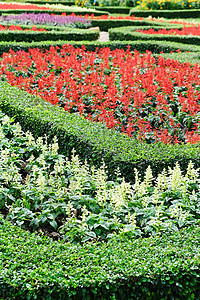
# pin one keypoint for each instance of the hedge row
(161, 267)
(46, 27)
(41, 2)
(68, 11)
(129, 34)
(190, 57)
(104, 25)
(92, 141)
(168, 14)
(29, 36)
(114, 9)
(141, 46)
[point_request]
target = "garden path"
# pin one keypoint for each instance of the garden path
(104, 36)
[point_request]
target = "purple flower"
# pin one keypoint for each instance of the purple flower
(45, 19)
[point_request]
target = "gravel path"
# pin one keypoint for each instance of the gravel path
(104, 36)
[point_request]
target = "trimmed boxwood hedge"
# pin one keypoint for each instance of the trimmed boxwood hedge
(168, 14)
(46, 27)
(114, 9)
(142, 46)
(160, 267)
(93, 141)
(106, 24)
(50, 2)
(192, 58)
(56, 12)
(29, 36)
(129, 34)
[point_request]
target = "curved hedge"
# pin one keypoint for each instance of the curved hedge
(56, 12)
(130, 34)
(168, 14)
(29, 36)
(160, 267)
(153, 46)
(93, 141)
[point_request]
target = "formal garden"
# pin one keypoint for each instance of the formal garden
(99, 149)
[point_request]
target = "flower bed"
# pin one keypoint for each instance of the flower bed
(173, 31)
(4, 6)
(16, 27)
(158, 102)
(45, 19)
(42, 189)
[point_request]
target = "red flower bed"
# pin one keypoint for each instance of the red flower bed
(17, 27)
(174, 31)
(133, 93)
(4, 6)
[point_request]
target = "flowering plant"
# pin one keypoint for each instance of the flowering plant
(45, 19)
(147, 99)
(16, 27)
(41, 189)
(5, 6)
(173, 31)
(168, 4)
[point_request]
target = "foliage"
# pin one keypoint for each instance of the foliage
(41, 187)
(92, 141)
(29, 36)
(130, 34)
(172, 31)
(46, 19)
(168, 14)
(168, 4)
(139, 45)
(98, 86)
(34, 267)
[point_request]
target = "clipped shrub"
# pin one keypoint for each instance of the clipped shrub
(93, 141)
(29, 36)
(160, 267)
(152, 45)
(129, 34)
(168, 14)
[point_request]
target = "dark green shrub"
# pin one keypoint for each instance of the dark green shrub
(160, 267)
(29, 36)
(130, 34)
(141, 46)
(93, 141)
(168, 14)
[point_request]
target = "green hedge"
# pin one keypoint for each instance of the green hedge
(129, 34)
(29, 36)
(142, 46)
(56, 12)
(50, 2)
(190, 57)
(104, 25)
(114, 9)
(46, 27)
(168, 14)
(107, 24)
(93, 141)
(161, 267)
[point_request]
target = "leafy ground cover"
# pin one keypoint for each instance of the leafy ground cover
(158, 102)
(45, 190)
